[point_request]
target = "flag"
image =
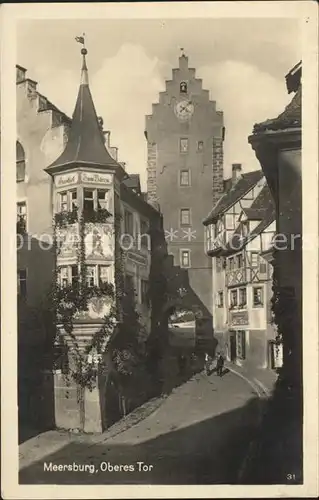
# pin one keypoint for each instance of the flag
(80, 39)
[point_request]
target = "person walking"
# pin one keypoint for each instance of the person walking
(220, 364)
(207, 363)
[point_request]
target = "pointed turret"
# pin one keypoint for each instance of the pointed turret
(85, 146)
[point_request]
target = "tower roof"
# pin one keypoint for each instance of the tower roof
(85, 144)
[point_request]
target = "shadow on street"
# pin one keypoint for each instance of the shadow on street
(208, 452)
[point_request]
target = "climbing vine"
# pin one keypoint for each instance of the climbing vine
(69, 301)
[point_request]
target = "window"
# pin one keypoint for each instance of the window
(21, 217)
(20, 163)
(104, 274)
(63, 202)
(242, 297)
(239, 261)
(74, 200)
(88, 196)
(220, 299)
(185, 217)
(64, 276)
(257, 296)
(183, 88)
(200, 146)
(184, 178)
(144, 292)
(102, 199)
(68, 201)
(128, 223)
(233, 298)
(263, 268)
(183, 145)
(231, 263)
(90, 275)
(74, 275)
(22, 283)
(241, 344)
(144, 236)
(254, 259)
(185, 258)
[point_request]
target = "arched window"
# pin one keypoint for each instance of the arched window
(183, 88)
(20, 159)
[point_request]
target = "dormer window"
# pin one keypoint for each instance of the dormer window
(20, 163)
(183, 88)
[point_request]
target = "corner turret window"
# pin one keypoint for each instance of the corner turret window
(20, 162)
(64, 202)
(183, 88)
(90, 276)
(67, 201)
(102, 199)
(88, 200)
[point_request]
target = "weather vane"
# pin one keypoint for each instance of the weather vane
(81, 39)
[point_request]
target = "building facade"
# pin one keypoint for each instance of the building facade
(82, 221)
(185, 160)
(277, 144)
(240, 229)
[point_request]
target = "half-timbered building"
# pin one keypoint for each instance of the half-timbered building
(240, 230)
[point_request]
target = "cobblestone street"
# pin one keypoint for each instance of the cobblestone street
(199, 435)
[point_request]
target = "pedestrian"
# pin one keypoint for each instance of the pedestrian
(220, 364)
(207, 363)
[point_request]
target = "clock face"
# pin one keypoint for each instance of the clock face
(184, 110)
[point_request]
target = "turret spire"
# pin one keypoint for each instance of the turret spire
(85, 144)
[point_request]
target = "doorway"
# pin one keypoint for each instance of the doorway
(232, 344)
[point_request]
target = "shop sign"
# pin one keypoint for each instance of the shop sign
(239, 318)
(96, 178)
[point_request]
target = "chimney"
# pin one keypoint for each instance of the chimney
(113, 152)
(107, 135)
(236, 172)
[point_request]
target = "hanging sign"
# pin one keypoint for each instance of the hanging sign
(137, 258)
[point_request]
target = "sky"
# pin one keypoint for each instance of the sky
(243, 63)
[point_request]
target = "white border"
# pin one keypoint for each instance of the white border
(10, 13)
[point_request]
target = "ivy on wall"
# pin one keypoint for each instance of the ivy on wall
(67, 302)
(82, 364)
